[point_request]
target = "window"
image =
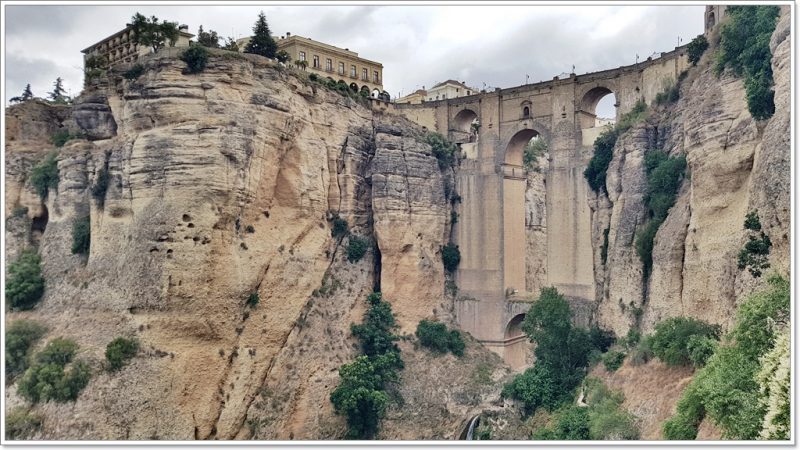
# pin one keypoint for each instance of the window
(364, 74)
(353, 71)
(341, 68)
(302, 56)
(329, 65)
(526, 112)
(469, 93)
(456, 89)
(375, 76)
(316, 61)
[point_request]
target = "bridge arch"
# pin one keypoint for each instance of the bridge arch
(515, 145)
(518, 348)
(587, 108)
(463, 120)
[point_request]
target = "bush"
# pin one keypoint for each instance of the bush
(44, 176)
(696, 48)
(607, 419)
(774, 381)
(533, 150)
(195, 57)
(81, 235)
(700, 348)
(47, 379)
(601, 339)
(20, 336)
(19, 211)
(101, 186)
(444, 150)
(539, 386)
(356, 248)
(595, 172)
(744, 47)
(25, 284)
(643, 352)
(754, 256)
(61, 137)
(21, 423)
(671, 338)
(119, 351)
(375, 333)
(451, 257)
(435, 336)
(339, 228)
(134, 72)
(613, 360)
(727, 389)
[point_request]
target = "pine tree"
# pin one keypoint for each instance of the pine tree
(261, 43)
(57, 96)
(26, 95)
(231, 45)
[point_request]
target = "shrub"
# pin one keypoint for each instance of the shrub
(601, 339)
(670, 94)
(632, 338)
(607, 419)
(356, 248)
(774, 383)
(613, 360)
(435, 336)
(744, 47)
(375, 333)
(101, 186)
(19, 211)
(700, 348)
(313, 77)
(44, 176)
(451, 257)
(252, 300)
(47, 379)
(59, 351)
(696, 48)
(671, 338)
(444, 150)
(754, 256)
(21, 423)
(539, 386)
(195, 57)
(119, 351)
(643, 352)
(61, 137)
(533, 150)
(25, 284)
(134, 72)
(20, 336)
(81, 235)
(339, 228)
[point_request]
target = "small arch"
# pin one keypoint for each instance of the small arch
(518, 348)
(516, 145)
(589, 103)
(353, 87)
(376, 93)
(463, 120)
(342, 82)
(514, 327)
(385, 96)
(331, 80)
(365, 88)
(526, 112)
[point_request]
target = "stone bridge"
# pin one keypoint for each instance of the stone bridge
(491, 230)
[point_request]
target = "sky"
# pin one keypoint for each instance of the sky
(486, 46)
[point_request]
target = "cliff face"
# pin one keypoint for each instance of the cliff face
(222, 185)
(735, 165)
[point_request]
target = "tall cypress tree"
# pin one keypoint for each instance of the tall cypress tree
(261, 43)
(57, 96)
(27, 94)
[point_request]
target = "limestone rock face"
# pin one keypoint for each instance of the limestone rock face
(735, 165)
(536, 227)
(94, 117)
(222, 185)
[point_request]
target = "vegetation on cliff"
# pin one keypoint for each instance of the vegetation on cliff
(25, 283)
(436, 336)
(44, 176)
(20, 337)
(119, 351)
(744, 48)
(47, 379)
(754, 256)
(361, 394)
(741, 388)
(597, 168)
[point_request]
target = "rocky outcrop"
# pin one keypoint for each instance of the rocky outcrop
(735, 165)
(536, 227)
(222, 185)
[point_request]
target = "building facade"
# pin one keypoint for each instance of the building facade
(442, 91)
(414, 98)
(328, 61)
(713, 15)
(120, 48)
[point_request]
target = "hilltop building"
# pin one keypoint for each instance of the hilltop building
(442, 91)
(713, 15)
(328, 61)
(119, 48)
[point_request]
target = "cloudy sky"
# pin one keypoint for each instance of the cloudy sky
(484, 45)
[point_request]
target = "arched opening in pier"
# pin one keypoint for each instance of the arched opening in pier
(598, 108)
(517, 352)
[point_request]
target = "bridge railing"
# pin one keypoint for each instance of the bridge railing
(513, 171)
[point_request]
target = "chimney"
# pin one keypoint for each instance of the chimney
(288, 34)
(183, 28)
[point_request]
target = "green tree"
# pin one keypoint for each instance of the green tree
(535, 148)
(696, 48)
(262, 42)
(25, 284)
(435, 336)
(58, 95)
(282, 56)
(539, 386)
(671, 338)
(356, 248)
(375, 332)
(208, 39)
(451, 257)
(196, 58)
(27, 94)
(20, 336)
(152, 33)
